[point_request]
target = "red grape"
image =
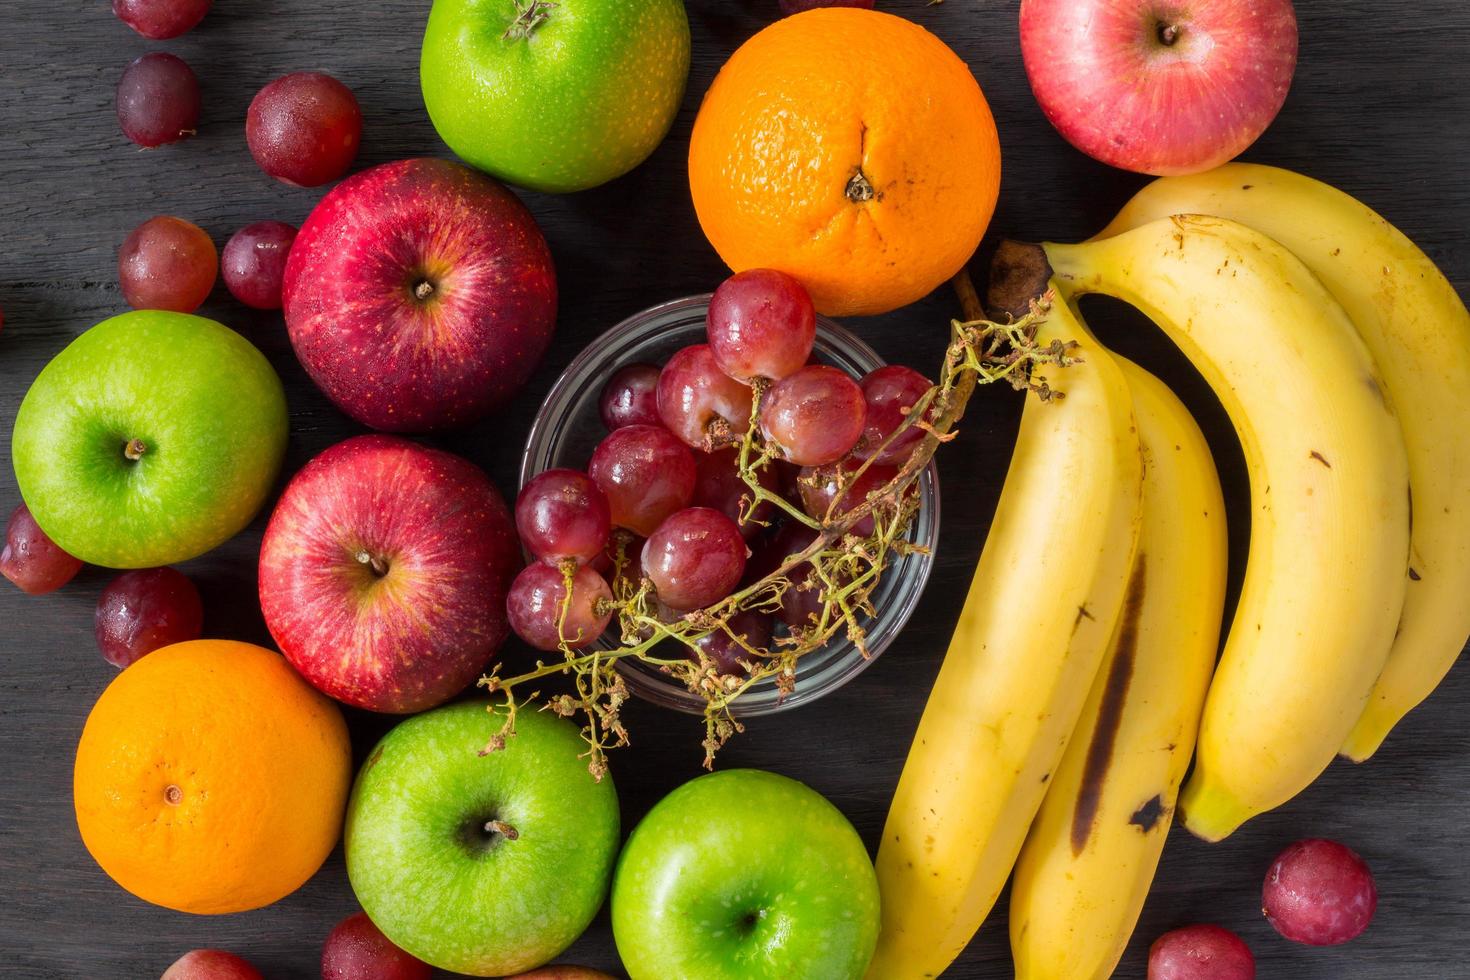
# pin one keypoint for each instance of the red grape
(143, 610)
(699, 403)
(562, 514)
(819, 487)
(888, 393)
(534, 606)
(694, 558)
(210, 964)
(167, 264)
(721, 487)
(814, 416)
(254, 263)
(646, 474)
(158, 100)
(724, 652)
(761, 324)
(357, 950)
(630, 397)
(1320, 893)
(1202, 952)
(32, 560)
(801, 602)
(304, 128)
(159, 20)
(789, 7)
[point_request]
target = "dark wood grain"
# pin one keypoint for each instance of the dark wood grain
(1380, 107)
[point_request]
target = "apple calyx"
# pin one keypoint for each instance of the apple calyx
(422, 290)
(530, 14)
(134, 449)
(376, 564)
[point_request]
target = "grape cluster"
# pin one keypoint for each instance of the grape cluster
(669, 505)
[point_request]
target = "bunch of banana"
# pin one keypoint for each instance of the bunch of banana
(1418, 332)
(1082, 877)
(1044, 601)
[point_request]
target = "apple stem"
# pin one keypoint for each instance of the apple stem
(1168, 34)
(503, 829)
(378, 565)
(134, 449)
(530, 14)
(423, 289)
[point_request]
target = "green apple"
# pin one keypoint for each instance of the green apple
(481, 864)
(152, 438)
(554, 96)
(745, 875)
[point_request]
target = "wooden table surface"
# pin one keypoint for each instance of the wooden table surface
(1380, 107)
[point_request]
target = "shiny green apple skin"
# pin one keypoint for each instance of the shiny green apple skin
(745, 875)
(441, 887)
(208, 415)
(585, 97)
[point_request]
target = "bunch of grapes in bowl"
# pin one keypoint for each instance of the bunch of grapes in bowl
(734, 514)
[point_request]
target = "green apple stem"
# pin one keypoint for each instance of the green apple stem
(844, 567)
(502, 828)
(530, 14)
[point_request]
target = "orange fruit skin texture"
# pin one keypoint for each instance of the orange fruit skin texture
(794, 115)
(262, 766)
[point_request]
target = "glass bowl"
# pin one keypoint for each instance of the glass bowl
(568, 428)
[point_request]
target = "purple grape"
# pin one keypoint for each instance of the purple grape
(694, 558)
(761, 324)
(158, 100)
(630, 397)
(32, 560)
(159, 20)
(701, 404)
(562, 514)
(888, 393)
(534, 606)
(814, 416)
(143, 610)
(253, 263)
(646, 474)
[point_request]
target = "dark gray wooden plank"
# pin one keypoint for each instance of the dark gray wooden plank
(1381, 107)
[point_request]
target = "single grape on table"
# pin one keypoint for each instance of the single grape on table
(889, 392)
(304, 128)
(1200, 952)
(32, 560)
(761, 324)
(158, 100)
(701, 404)
(646, 474)
(535, 603)
(159, 20)
(167, 263)
(356, 949)
(143, 610)
(630, 397)
(561, 514)
(253, 263)
(694, 558)
(815, 416)
(1320, 893)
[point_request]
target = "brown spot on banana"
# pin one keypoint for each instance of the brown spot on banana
(1110, 714)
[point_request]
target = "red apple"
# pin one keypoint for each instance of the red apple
(357, 950)
(210, 964)
(384, 570)
(419, 295)
(1160, 86)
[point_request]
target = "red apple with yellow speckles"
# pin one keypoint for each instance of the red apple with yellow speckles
(419, 295)
(384, 570)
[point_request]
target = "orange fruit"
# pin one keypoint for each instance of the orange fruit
(851, 149)
(211, 778)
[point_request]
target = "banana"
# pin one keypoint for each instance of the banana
(1324, 581)
(1091, 853)
(1418, 332)
(1033, 630)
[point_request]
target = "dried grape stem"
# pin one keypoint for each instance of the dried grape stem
(844, 567)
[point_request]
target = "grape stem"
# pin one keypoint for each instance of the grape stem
(843, 566)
